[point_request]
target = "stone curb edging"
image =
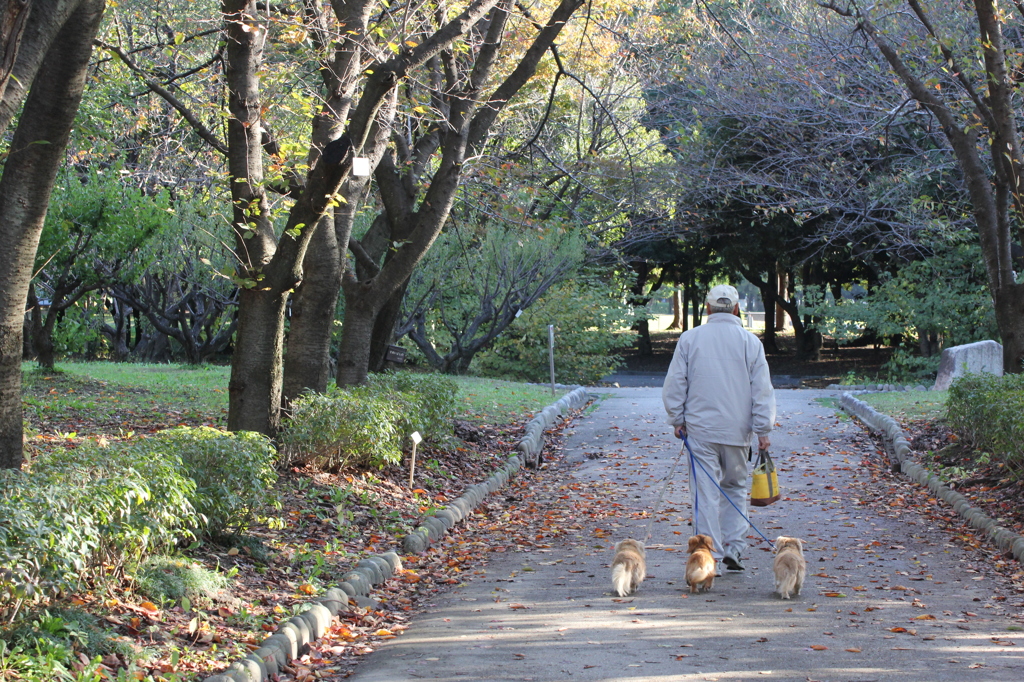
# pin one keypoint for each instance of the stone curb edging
(433, 528)
(285, 645)
(875, 388)
(896, 441)
(533, 442)
(292, 636)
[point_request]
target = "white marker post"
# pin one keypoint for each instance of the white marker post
(416, 438)
(551, 355)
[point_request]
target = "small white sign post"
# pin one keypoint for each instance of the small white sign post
(416, 438)
(551, 355)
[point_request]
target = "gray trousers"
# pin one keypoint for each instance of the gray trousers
(714, 515)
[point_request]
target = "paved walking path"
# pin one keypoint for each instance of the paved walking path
(886, 598)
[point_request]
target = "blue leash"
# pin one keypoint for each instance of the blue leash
(696, 507)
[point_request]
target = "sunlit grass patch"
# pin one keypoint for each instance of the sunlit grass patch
(909, 405)
(493, 401)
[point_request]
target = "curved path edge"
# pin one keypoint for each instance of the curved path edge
(285, 645)
(899, 451)
(432, 528)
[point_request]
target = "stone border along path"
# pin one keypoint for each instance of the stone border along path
(899, 449)
(433, 528)
(285, 645)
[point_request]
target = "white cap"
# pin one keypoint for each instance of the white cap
(723, 295)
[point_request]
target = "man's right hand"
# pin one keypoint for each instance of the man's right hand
(763, 442)
(680, 432)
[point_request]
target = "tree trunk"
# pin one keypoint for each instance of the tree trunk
(685, 307)
(769, 293)
(43, 339)
(645, 346)
(25, 189)
(638, 299)
(1009, 304)
(307, 361)
(119, 333)
(928, 342)
(33, 319)
(780, 314)
(384, 328)
(25, 47)
(356, 334)
(256, 363)
(677, 307)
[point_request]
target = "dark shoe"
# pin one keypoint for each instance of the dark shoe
(732, 563)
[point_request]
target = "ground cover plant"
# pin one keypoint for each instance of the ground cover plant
(179, 610)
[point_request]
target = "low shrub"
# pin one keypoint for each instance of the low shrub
(591, 325)
(163, 513)
(163, 577)
(985, 412)
(367, 425)
(904, 366)
(64, 645)
(430, 400)
(343, 427)
(82, 509)
(92, 506)
(233, 472)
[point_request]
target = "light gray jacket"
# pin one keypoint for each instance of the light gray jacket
(718, 384)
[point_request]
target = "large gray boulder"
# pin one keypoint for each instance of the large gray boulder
(970, 358)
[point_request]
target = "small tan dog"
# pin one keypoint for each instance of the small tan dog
(700, 567)
(790, 567)
(629, 568)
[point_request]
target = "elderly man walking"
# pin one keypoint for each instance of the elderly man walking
(718, 394)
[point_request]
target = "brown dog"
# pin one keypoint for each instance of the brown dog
(700, 568)
(790, 566)
(629, 568)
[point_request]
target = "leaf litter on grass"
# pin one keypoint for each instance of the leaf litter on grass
(325, 523)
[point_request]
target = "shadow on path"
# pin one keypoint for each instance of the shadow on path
(885, 599)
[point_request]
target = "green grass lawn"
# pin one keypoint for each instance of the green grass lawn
(89, 397)
(909, 405)
(492, 401)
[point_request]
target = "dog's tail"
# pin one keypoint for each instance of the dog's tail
(785, 584)
(622, 580)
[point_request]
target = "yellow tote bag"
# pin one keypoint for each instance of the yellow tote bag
(765, 486)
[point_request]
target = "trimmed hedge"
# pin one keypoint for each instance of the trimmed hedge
(985, 412)
(367, 425)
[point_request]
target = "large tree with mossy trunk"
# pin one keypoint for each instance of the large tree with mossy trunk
(44, 54)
